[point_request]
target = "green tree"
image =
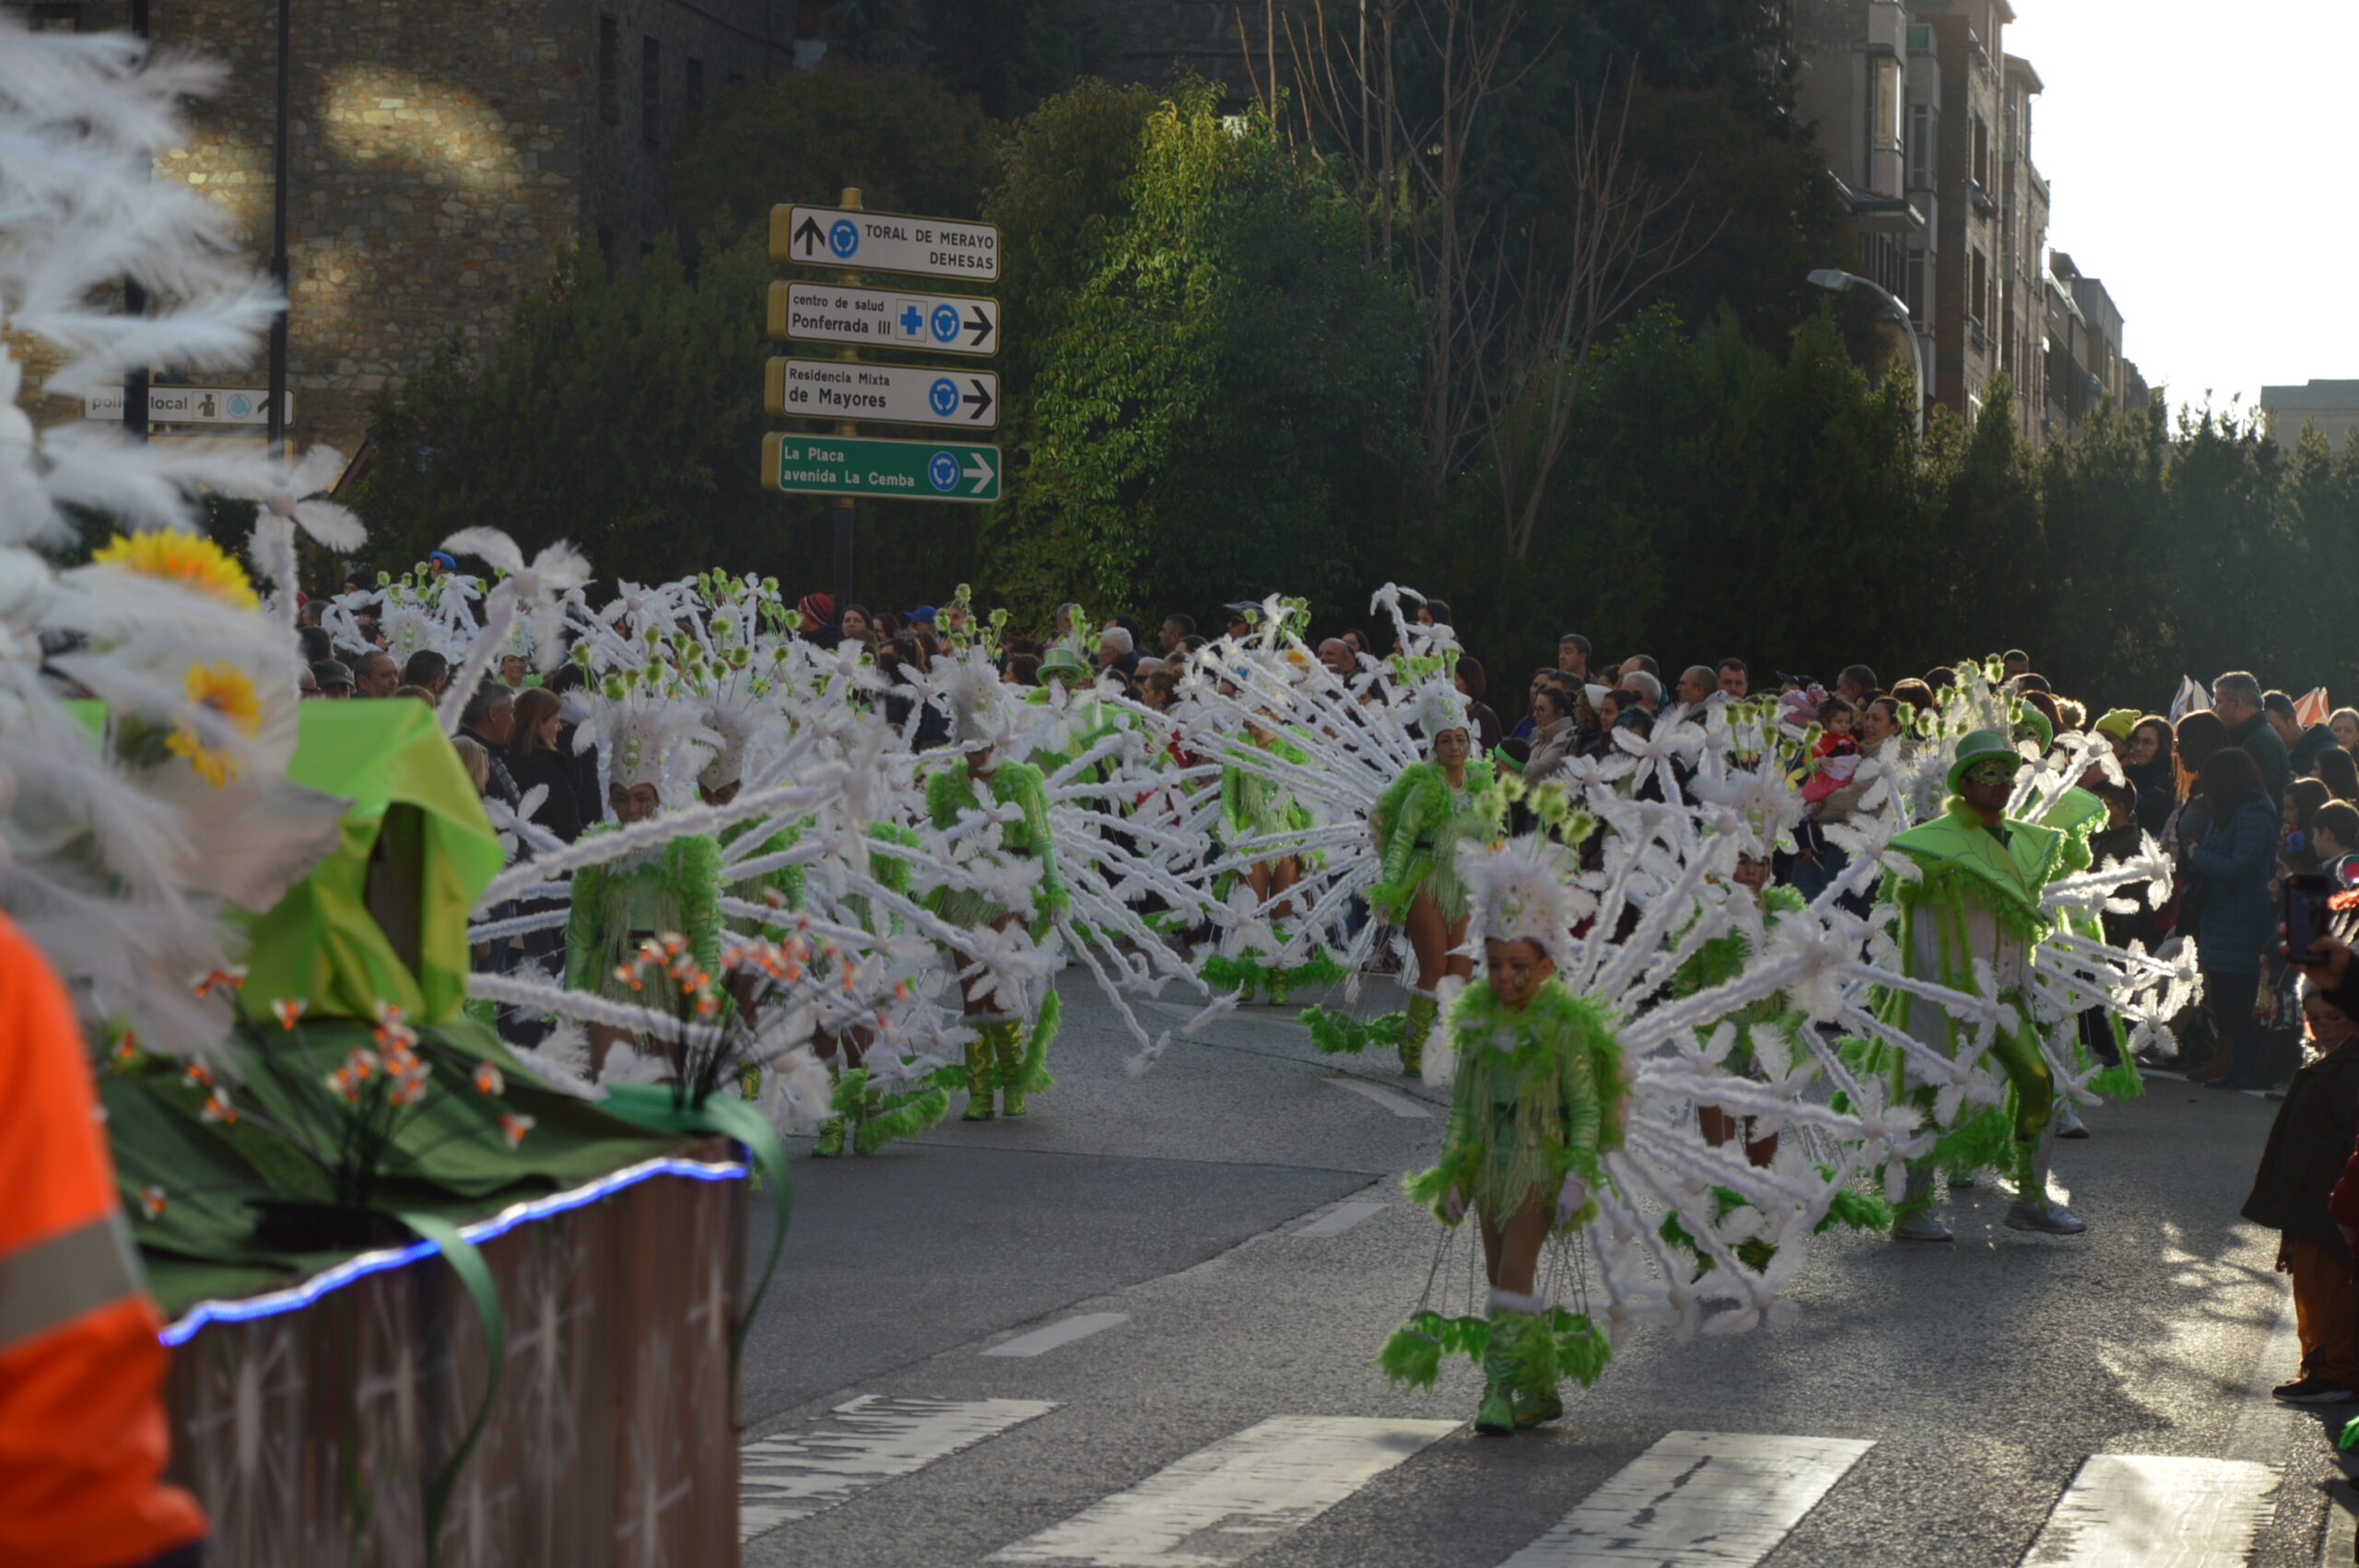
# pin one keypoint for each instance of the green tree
(905, 140)
(1214, 411)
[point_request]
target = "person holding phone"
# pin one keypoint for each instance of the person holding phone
(2309, 1146)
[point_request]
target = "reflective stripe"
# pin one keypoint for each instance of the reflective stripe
(53, 1281)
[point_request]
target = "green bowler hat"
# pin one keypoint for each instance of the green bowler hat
(1983, 746)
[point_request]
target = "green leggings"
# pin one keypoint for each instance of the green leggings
(2026, 1068)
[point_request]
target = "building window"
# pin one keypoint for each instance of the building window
(1981, 285)
(692, 88)
(651, 90)
(55, 18)
(1981, 151)
(1921, 146)
(610, 97)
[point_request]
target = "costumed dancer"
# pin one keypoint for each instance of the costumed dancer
(1437, 806)
(1009, 1053)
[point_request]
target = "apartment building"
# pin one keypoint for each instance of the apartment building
(2332, 407)
(1927, 121)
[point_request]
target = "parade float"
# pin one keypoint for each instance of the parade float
(432, 1302)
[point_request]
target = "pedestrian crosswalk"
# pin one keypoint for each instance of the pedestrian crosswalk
(1691, 1500)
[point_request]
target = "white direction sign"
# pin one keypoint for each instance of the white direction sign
(904, 395)
(884, 318)
(191, 405)
(883, 241)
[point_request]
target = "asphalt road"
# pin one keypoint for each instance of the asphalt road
(1970, 1386)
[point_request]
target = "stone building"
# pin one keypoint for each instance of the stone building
(440, 154)
(2332, 407)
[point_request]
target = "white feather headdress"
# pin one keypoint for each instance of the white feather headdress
(1524, 890)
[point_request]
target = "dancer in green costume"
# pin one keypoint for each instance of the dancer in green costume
(1539, 1097)
(1004, 1056)
(1976, 910)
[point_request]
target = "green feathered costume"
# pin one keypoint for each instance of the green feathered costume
(1540, 1096)
(676, 888)
(1979, 899)
(1254, 807)
(996, 1059)
(1419, 823)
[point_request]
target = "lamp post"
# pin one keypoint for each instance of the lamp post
(275, 425)
(1835, 280)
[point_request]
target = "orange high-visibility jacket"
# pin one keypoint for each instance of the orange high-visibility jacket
(82, 1438)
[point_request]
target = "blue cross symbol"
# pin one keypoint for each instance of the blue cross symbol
(843, 237)
(912, 319)
(946, 324)
(943, 397)
(942, 470)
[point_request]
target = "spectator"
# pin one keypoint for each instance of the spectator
(335, 678)
(2307, 1147)
(378, 675)
(1527, 724)
(2340, 774)
(1695, 684)
(515, 670)
(439, 562)
(1158, 688)
(2148, 768)
(1114, 652)
(1357, 641)
(2334, 831)
(2344, 723)
(1239, 611)
(1337, 655)
(1939, 678)
(1646, 686)
(488, 720)
(1472, 685)
(2302, 745)
(1735, 680)
(533, 760)
(1917, 695)
(2302, 799)
(2199, 736)
(1552, 735)
(2236, 697)
(1856, 684)
(857, 625)
(2030, 683)
(1023, 670)
(1175, 631)
(819, 614)
(566, 684)
(1642, 662)
(2231, 866)
(307, 684)
(1433, 613)
(419, 693)
(428, 669)
(475, 760)
(1572, 656)
(2013, 662)
(316, 643)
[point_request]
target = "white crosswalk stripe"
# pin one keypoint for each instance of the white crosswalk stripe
(1234, 1497)
(869, 1440)
(2156, 1511)
(1697, 1500)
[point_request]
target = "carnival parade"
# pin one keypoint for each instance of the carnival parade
(534, 1036)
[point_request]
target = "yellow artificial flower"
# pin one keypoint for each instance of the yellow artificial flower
(190, 559)
(229, 692)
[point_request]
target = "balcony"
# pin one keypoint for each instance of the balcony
(1976, 337)
(1984, 206)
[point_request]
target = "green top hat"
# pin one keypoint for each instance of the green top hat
(1064, 663)
(1983, 746)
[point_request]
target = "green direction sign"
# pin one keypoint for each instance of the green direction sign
(855, 465)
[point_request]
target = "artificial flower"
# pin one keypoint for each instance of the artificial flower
(487, 1079)
(228, 692)
(189, 559)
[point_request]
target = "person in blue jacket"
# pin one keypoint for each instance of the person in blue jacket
(2230, 870)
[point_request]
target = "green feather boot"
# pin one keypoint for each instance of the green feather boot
(1413, 1030)
(981, 1075)
(1495, 1417)
(1007, 1048)
(832, 1138)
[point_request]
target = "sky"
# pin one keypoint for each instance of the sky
(2195, 153)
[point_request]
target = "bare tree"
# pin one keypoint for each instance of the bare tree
(1512, 318)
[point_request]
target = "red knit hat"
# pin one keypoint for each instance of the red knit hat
(817, 609)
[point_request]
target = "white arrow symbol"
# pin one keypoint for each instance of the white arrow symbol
(980, 471)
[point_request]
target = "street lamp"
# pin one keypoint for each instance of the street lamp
(1837, 280)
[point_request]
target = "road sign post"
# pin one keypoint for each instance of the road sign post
(884, 318)
(898, 394)
(883, 241)
(846, 466)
